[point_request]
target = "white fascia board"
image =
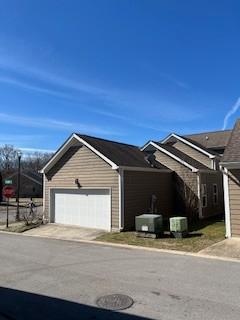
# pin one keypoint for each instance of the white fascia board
(167, 138)
(112, 164)
(57, 154)
(211, 156)
(66, 146)
(171, 155)
(145, 146)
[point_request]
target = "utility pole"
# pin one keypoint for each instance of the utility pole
(19, 154)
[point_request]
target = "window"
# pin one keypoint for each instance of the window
(204, 195)
(215, 194)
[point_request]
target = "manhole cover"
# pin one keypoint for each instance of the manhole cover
(115, 302)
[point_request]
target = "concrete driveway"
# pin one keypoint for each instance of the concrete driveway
(229, 248)
(57, 231)
(58, 280)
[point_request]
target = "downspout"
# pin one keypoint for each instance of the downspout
(199, 195)
(44, 198)
(121, 198)
(226, 203)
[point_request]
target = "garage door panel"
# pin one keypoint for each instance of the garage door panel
(87, 208)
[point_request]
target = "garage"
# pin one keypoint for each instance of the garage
(89, 208)
(84, 184)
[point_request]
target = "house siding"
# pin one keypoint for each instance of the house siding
(91, 171)
(138, 190)
(193, 153)
(234, 201)
(209, 179)
(185, 186)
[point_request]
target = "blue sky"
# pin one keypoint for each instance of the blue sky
(118, 69)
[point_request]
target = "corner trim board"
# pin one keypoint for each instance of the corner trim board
(227, 204)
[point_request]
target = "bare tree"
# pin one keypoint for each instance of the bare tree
(35, 161)
(8, 157)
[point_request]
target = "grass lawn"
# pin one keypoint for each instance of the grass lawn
(18, 227)
(202, 235)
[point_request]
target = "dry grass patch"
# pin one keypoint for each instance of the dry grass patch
(201, 235)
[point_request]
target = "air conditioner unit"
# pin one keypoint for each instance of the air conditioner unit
(179, 226)
(149, 225)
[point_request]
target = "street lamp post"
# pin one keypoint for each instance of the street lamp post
(19, 155)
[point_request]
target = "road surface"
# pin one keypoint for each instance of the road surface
(55, 279)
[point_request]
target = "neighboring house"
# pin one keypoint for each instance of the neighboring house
(197, 180)
(231, 168)
(215, 141)
(96, 183)
(1, 186)
(31, 184)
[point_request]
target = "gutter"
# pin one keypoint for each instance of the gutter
(230, 165)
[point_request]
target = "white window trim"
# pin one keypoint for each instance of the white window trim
(215, 194)
(204, 195)
(211, 156)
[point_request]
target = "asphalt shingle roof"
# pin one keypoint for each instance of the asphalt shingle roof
(194, 163)
(120, 153)
(211, 140)
(232, 151)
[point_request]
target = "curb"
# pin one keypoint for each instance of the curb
(129, 247)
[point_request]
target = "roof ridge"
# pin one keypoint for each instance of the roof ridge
(205, 132)
(107, 140)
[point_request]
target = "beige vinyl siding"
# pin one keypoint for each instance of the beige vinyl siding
(138, 190)
(210, 179)
(186, 186)
(234, 201)
(91, 171)
(193, 153)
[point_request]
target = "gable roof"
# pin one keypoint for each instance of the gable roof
(33, 176)
(178, 155)
(116, 154)
(211, 140)
(121, 154)
(173, 136)
(232, 151)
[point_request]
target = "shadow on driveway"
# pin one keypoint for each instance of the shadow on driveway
(21, 305)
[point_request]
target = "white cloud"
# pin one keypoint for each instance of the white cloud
(25, 85)
(32, 150)
(231, 112)
(53, 124)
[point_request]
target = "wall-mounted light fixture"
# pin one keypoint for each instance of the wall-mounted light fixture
(77, 183)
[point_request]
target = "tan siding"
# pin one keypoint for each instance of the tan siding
(209, 179)
(234, 201)
(138, 190)
(186, 187)
(91, 170)
(191, 152)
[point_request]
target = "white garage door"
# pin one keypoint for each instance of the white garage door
(85, 208)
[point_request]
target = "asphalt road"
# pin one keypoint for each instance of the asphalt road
(54, 279)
